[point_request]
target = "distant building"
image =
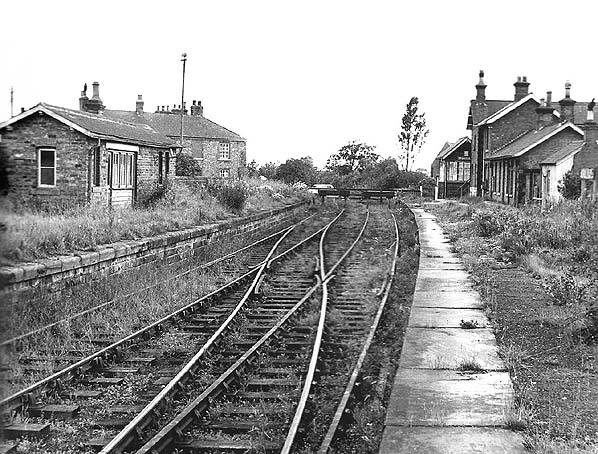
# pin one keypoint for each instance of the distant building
(451, 169)
(220, 152)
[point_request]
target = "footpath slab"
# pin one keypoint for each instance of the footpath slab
(451, 393)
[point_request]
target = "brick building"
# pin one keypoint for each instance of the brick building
(451, 169)
(56, 156)
(522, 148)
(220, 152)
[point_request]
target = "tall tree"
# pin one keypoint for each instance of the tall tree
(297, 170)
(413, 133)
(353, 157)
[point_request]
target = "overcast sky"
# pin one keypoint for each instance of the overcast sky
(299, 78)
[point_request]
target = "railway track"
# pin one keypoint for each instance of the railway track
(241, 390)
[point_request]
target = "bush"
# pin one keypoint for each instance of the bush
(570, 186)
(233, 196)
(565, 289)
(186, 166)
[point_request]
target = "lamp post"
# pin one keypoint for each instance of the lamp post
(184, 60)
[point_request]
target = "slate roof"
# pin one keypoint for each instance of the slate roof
(560, 152)
(525, 142)
(508, 108)
(99, 126)
(194, 126)
(477, 114)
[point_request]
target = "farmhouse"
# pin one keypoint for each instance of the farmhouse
(57, 156)
(218, 151)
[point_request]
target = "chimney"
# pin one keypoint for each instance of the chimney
(481, 89)
(590, 114)
(567, 104)
(139, 106)
(83, 99)
(545, 112)
(196, 108)
(521, 88)
(95, 104)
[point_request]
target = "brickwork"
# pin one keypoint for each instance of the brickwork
(207, 153)
(20, 145)
(20, 282)
(513, 124)
(75, 154)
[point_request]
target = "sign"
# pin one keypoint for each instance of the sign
(587, 174)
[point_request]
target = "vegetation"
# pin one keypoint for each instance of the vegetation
(187, 166)
(570, 185)
(413, 133)
(35, 233)
(353, 157)
(537, 272)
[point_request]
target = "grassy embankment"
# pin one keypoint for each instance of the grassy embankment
(537, 273)
(32, 234)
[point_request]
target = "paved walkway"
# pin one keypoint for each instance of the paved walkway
(439, 403)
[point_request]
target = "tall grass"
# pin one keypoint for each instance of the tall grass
(30, 234)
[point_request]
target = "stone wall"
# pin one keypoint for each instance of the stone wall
(23, 280)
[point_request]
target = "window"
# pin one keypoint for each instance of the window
(121, 167)
(224, 151)
(97, 156)
(46, 175)
(224, 173)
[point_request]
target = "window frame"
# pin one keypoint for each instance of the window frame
(121, 166)
(39, 167)
(224, 151)
(222, 171)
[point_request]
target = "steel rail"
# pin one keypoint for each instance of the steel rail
(128, 295)
(342, 406)
(144, 418)
(21, 397)
(138, 424)
(309, 377)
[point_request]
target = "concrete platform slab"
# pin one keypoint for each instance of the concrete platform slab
(438, 264)
(451, 440)
(434, 317)
(437, 284)
(450, 348)
(435, 253)
(449, 299)
(424, 397)
(453, 276)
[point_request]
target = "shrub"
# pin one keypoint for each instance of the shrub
(232, 196)
(186, 166)
(565, 289)
(570, 186)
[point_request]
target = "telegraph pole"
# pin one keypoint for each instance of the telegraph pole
(12, 91)
(184, 60)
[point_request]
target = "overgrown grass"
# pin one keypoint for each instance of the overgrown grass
(32, 234)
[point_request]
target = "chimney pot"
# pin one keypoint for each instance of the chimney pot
(480, 89)
(139, 105)
(549, 98)
(521, 88)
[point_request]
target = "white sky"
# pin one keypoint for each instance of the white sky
(299, 78)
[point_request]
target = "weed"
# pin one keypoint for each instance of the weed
(565, 289)
(469, 365)
(469, 324)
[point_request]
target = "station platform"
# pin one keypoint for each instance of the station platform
(452, 393)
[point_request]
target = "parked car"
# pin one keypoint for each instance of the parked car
(315, 187)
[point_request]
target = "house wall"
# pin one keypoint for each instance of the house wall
(207, 152)
(513, 124)
(19, 146)
(557, 172)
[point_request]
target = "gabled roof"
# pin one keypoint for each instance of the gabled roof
(563, 151)
(527, 141)
(195, 126)
(481, 111)
(507, 109)
(98, 126)
(451, 147)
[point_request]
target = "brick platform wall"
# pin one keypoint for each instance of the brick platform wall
(19, 283)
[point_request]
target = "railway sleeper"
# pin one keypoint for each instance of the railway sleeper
(233, 426)
(267, 384)
(243, 446)
(118, 371)
(54, 411)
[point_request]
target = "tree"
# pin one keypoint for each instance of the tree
(252, 169)
(353, 157)
(295, 170)
(269, 170)
(413, 133)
